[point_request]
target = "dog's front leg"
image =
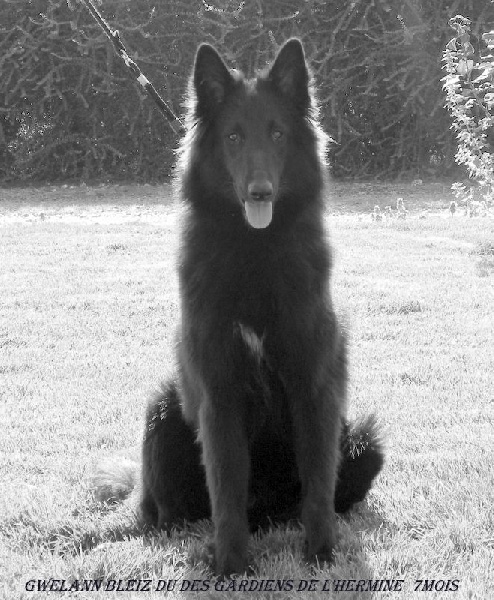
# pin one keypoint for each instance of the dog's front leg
(226, 458)
(316, 402)
(316, 446)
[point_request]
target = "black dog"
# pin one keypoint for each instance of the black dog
(252, 429)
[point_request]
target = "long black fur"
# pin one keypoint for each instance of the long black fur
(252, 428)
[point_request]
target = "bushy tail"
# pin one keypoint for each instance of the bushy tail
(115, 479)
(362, 457)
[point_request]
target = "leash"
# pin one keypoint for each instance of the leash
(114, 37)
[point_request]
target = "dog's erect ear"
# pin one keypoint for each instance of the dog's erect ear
(211, 79)
(290, 75)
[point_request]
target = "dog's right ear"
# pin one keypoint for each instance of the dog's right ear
(211, 79)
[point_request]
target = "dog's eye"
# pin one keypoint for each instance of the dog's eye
(234, 137)
(277, 135)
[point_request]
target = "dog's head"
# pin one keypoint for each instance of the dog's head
(254, 123)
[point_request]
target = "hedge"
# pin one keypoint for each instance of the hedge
(69, 110)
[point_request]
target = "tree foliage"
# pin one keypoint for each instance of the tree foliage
(469, 86)
(69, 110)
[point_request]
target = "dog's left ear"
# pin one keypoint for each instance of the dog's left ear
(289, 74)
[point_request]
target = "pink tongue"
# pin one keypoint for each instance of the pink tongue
(259, 214)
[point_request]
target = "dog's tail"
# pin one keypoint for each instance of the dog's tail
(362, 457)
(115, 479)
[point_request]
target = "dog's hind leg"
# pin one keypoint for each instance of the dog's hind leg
(362, 457)
(173, 478)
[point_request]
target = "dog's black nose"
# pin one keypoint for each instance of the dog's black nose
(260, 190)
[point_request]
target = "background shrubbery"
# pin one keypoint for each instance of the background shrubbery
(469, 87)
(69, 110)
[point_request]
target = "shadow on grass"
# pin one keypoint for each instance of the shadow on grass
(280, 542)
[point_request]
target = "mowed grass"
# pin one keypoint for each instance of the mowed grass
(89, 304)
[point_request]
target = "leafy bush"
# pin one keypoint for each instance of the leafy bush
(469, 86)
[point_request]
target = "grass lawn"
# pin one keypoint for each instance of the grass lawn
(87, 315)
